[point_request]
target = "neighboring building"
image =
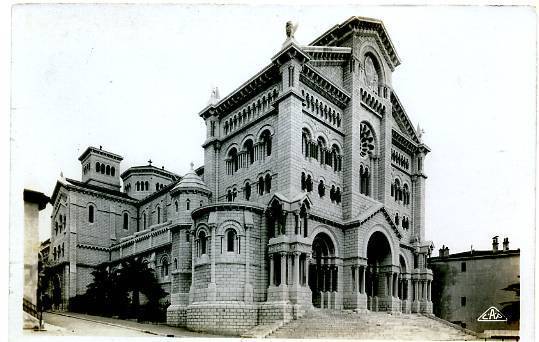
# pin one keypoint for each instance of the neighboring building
(312, 193)
(34, 202)
(473, 282)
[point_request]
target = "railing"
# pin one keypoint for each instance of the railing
(32, 309)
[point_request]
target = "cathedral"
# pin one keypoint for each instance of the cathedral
(312, 195)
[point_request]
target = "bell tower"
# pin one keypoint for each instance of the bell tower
(101, 168)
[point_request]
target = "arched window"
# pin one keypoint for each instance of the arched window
(158, 214)
(56, 228)
(97, 167)
(332, 193)
(202, 242)
(232, 161)
(229, 195)
(137, 186)
(54, 253)
(364, 180)
(371, 74)
(261, 185)
(338, 195)
(305, 142)
(176, 205)
(303, 181)
(247, 191)
(268, 183)
(164, 267)
(309, 183)
(126, 221)
(234, 194)
(103, 168)
(201, 203)
(188, 204)
(336, 157)
(156, 186)
(91, 214)
(321, 189)
(63, 249)
(175, 263)
(112, 171)
(266, 141)
(397, 219)
(321, 149)
(147, 185)
(249, 148)
(107, 170)
(230, 240)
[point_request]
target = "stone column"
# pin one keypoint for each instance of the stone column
(389, 285)
(424, 289)
(307, 265)
(271, 276)
(296, 268)
(354, 270)
(212, 287)
(363, 279)
(248, 291)
(283, 268)
(193, 255)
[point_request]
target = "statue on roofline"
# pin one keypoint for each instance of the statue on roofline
(290, 29)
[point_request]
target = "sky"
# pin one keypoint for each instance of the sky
(134, 78)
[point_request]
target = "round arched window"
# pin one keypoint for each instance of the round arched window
(366, 139)
(371, 75)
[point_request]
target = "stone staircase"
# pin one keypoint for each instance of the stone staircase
(347, 324)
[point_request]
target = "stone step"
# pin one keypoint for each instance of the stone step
(348, 324)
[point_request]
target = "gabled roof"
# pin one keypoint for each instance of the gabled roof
(100, 151)
(74, 184)
(337, 33)
(402, 119)
(370, 213)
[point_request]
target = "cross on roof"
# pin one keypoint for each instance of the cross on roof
(150, 162)
(192, 165)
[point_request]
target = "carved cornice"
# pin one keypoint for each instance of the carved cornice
(315, 80)
(402, 142)
(268, 76)
(97, 248)
(364, 26)
(400, 114)
(371, 101)
(328, 54)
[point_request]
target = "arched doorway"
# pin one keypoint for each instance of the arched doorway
(379, 262)
(323, 272)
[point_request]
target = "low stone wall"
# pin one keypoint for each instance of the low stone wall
(223, 318)
(177, 315)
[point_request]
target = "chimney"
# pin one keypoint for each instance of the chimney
(443, 252)
(495, 243)
(506, 244)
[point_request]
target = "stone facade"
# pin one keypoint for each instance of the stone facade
(312, 194)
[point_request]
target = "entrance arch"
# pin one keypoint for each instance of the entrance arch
(323, 271)
(56, 292)
(379, 262)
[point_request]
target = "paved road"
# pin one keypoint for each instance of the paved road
(85, 325)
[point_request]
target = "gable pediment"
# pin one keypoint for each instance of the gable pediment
(372, 212)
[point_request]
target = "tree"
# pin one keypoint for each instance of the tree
(136, 277)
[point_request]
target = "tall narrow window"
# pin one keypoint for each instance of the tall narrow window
(248, 147)
(144, 219)
(126, 221)
(164, 267)
(176, 206)
(247, 191)
(188, 204)
(268, 183)
(147, 185)
(112, 171)
(230, 240)
(107, 170)
(91, 214)
(261, 186)
(202, 242)
(158, 214)
(97, 167)
(321, 189)
(266, 140)
(303, 181)
(175, 263)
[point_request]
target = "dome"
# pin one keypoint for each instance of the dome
(191, 181)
